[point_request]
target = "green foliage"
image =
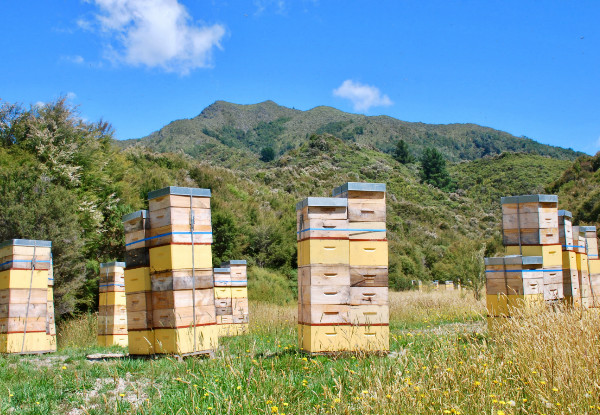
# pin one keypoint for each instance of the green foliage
(270, 286)
(433, 170)
(402, 153)
(463, 262)
(267, 154)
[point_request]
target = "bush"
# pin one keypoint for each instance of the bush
(270, 286)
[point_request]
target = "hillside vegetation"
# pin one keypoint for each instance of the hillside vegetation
(64, 179)
(233, 134)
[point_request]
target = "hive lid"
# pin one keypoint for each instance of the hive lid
(221, 270)
(523, 260)
(494, 261)
(112, 264)
(134, 215)
(322, 202)
(359, 187)
(233, 262)
(26, 242)
(565, 213)
(587, 229)
(529, 199)
(179, 191)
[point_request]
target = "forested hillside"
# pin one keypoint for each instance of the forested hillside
(65, 180)
(231, 134)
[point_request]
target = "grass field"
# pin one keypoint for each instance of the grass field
(442, 361)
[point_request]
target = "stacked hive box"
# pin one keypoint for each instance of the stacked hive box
(369, 307)
(530, 228)
(183, 302)
(112, 315)
(323, 275)
(513, 283)
(24, 296)
(569, 259)
(138, 288)
(588, 239)
(342, 271)
(231, 298)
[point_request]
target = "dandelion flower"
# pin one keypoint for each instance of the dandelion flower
(500, 413)
(274, 410)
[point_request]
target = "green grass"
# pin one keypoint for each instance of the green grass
(434, 367)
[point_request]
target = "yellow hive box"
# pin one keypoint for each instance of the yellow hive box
(222, 292)
(316, 339)
(51, 342)
(323, 251)
(113, 340)
(180, 341)
(582, 263)
(368, 253)
(137, 279)
(114, 298)
(141, 342)
(229, 329)
(370, 338)
(239, 292)
(21, 278)
(168, 257)
(594, 265)
(505, 305)
(551, 254)
(34, 342)
(569, 260)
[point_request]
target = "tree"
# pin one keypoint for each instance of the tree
(433, 170)
(267, 154)
(403, 154)
(463, 261)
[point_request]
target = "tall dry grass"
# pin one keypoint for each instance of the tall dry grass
(80, 331)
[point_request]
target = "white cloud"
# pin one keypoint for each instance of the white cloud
(74, 59)
(157, 33)
(362, 96)
(71, 95)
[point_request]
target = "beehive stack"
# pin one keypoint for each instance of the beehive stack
(138, 286)
(530, 228)
(569, 259)
(342, 271)
(513, 283)
(231, 298)
(112, 311)
(588, 238)
(183, 301)
(24, 296)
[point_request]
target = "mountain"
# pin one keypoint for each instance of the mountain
(233, 134)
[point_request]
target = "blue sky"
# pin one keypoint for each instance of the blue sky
(531, 68)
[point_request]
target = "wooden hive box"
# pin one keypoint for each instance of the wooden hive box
(136, 226)
(530, 220)
(182, 279)
(565, 230)
(222, 277)
(588, 234)
(513, 282)
(578, 241)
(175, 257)
(366, 201)
(173, 211)
(25, 254)
(186, 340)
(238, 272)
(551, 254)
